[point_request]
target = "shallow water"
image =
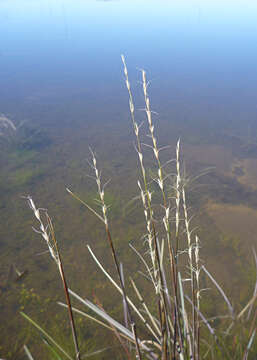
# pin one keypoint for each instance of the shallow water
(62, 86)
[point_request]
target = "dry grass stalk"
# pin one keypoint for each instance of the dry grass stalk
(47, 232)
(107, 229)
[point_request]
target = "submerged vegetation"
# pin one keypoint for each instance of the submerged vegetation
(167, 312)
(21, 137)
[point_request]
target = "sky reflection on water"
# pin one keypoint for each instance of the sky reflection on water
(195, 52)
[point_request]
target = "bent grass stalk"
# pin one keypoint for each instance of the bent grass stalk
(47, 232)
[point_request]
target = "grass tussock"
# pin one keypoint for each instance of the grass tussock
(169, 321)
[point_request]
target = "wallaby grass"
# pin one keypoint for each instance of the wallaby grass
(167, 321)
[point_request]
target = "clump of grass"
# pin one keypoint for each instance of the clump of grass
(177, 327)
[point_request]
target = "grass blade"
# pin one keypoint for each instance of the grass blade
(120, 291)
(28, 353)
(52, 350)
(46, 335)
(103, 315)
(230, 307)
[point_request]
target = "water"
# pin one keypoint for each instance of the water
(62, 80)
(200, 55)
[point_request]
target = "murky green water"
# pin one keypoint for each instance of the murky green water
(62, 87)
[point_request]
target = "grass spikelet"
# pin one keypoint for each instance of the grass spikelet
(47, 233)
